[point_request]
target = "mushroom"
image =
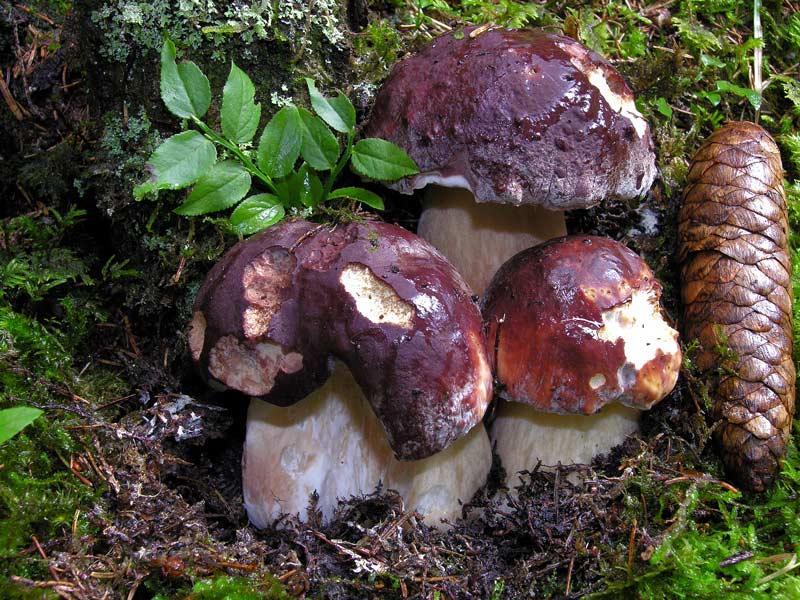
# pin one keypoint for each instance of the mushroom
(526, 122)
(575, 325)
(513, 128)
(278, 311)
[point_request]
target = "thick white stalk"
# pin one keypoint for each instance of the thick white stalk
(525, 436)
(332, 443)
(479, 237)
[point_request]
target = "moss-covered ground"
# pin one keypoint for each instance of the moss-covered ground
(129, 485)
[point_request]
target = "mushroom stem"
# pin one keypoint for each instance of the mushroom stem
(524, 436)
(479, 237)
(332, 443)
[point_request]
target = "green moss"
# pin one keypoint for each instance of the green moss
(39, 494)
(793, 199)
(504, 13)
(52, 7)
(233, 588)
(49, 174)
(377, 49)
(719, 544)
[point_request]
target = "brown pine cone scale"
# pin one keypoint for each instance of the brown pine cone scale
(736, 291)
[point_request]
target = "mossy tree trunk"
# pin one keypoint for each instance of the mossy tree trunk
(88, 114)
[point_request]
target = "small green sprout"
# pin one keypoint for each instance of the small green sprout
(294, 134)
(13, 420)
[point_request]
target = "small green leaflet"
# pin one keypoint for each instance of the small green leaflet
(293, 150)
(13, 420)
(285, 193)
(223, 186)
(310, 187)
(319, 147)
(184, 88)
(181, 160)
(337, 112)
(257, 213)
(144, 189)
(752, 96)
(240, 114)
(711, 61)
(382, 160)
(304, 186)
(280, 143)
(664, 107)
(371, 199)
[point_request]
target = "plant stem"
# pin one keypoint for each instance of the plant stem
(348, 150)
(234, 149)
(758, 53)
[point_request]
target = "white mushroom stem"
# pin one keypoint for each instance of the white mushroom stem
(525, 436)
(479, 237)
(332, 443)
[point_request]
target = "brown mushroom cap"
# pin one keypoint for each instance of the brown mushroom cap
(279, 307)
(576, 324)
(516, 116)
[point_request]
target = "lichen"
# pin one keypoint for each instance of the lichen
(129, 26)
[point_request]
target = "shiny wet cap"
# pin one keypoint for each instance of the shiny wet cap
(576, 324)
(279, 307)
(523, 117)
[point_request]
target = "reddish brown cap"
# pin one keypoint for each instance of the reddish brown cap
(576, 324)
(525, 117)
(278, 307)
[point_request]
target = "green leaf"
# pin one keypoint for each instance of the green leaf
(257, 213)
(287, 191)
(184, 88)
(711, 61)
(222, 187)
(752, 96)
(664, 107)
(240, 114)
(181, 160)
(13, 420)
(280, 143)
(371, 199)
(319, 147)
(382, 160)
(712, 97)
(337, 112)
(307, 187)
